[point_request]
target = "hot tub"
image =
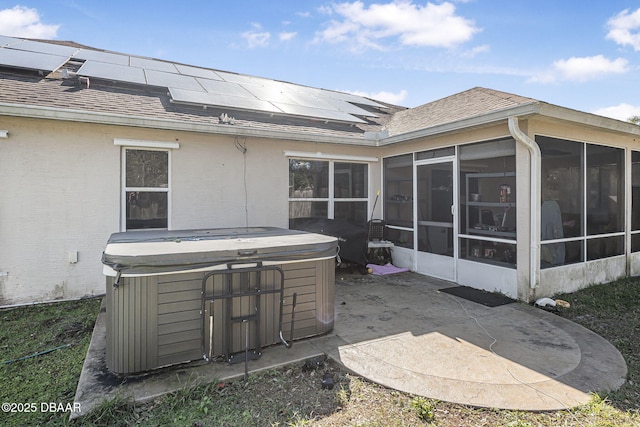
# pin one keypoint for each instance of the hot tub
(181, 295)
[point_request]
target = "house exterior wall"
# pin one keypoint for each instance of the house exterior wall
(60, 184)
(61, 194)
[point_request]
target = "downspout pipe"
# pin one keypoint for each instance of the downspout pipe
(535, 157)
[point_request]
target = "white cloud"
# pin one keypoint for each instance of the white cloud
(624, 28)
(433, 25)
(473, 52)
(256, 37)
(384, 96)
(582, 69)
(286, 36)
(24, 22)
(621, 111)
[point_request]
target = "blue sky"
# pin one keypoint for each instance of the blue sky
(577, 54)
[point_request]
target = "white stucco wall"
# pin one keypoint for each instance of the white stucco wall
(61, 193)
(59, 186)
(208, 183)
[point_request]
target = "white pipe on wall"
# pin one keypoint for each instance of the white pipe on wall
(535, 161)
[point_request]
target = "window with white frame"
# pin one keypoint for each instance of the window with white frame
(146, 188)
(328, 189)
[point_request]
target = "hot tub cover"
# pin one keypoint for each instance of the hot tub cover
(164, 251)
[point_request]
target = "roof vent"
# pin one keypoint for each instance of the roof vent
(66, 73)
(84, 81)
(226, 119)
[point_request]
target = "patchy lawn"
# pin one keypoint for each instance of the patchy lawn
(42, 349)
(291, 396)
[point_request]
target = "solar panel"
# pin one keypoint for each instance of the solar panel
(120, 73)
(190, 84)
(152, 64)
(347, 97)
(238, 78)
(288, 93)
(309, 101)
(220, 100)
(162, 79)
(300, 110)
(225, 88)
(197, 72)
(272, 94)
(349, 108)
(48, 48)
(30, 60)
(6, 41)
(94, 55)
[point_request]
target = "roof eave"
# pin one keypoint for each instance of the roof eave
(51, 113)
(522, 111)
(466, 123)
(588, 119)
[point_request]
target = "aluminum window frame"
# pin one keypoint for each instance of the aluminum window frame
(331, 199)
(125, 189)
(585, 237)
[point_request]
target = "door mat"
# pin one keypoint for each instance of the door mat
(488, 299)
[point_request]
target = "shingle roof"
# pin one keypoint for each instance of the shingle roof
(467, 104)
(28, 88)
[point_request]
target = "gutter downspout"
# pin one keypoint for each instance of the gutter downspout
(535, 162)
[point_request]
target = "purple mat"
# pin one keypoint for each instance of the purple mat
(383, 270)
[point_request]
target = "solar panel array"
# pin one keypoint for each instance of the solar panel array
(189, 84)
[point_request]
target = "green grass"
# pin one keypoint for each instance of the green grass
(612, 311)
(50, 377)
(291, 396)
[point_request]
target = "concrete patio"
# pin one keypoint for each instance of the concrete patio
(404, 332)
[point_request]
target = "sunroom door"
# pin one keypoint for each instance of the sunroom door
(434, 219)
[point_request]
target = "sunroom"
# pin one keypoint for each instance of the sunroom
(457, 205)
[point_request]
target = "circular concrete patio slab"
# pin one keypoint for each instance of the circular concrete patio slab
(401, 331)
